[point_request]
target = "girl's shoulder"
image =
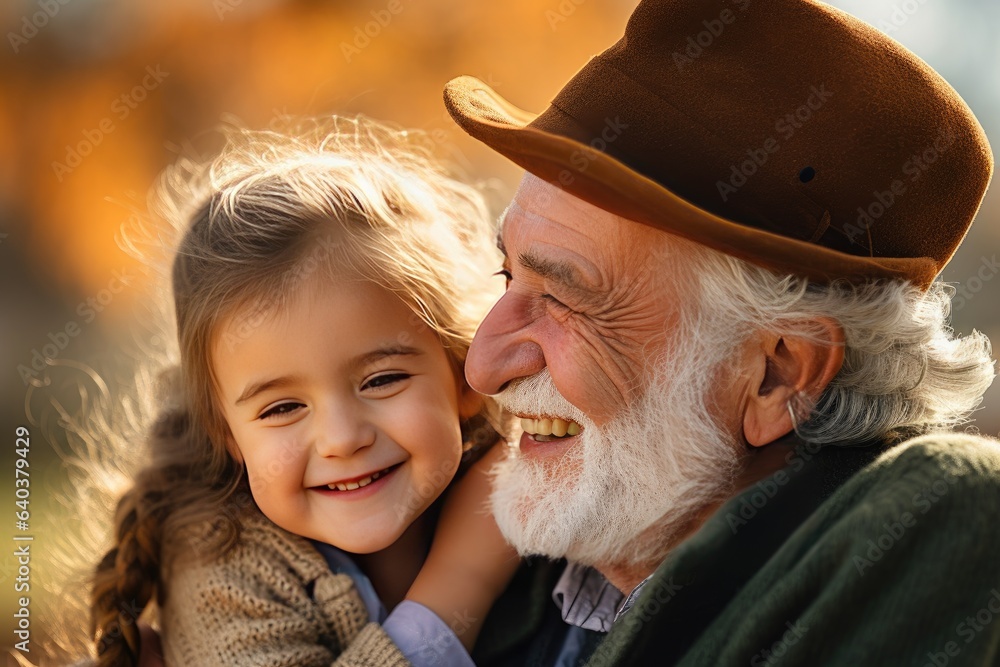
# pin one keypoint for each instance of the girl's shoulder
(263, 555)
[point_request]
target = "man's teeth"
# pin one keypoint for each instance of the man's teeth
(356, 484)
(557, 427)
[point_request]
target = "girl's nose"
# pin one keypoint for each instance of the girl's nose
(341, 430)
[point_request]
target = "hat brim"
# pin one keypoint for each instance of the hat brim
(611, 185)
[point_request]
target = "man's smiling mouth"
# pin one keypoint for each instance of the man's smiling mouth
(545, 429)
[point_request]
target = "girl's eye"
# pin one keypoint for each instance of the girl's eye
(382, 381)
(280, 410)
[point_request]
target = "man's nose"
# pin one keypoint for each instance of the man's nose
(341, 429)
(503, 349)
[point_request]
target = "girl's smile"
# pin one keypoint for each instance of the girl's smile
(359, 482)
(359, 487)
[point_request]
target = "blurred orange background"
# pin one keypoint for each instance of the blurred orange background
(99, 96)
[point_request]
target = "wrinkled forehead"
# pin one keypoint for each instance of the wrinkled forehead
(544, 212)
(551, 224)
(547, 220)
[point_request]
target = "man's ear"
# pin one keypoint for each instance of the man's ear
(785, 366)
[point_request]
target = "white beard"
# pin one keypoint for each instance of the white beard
(626, 492)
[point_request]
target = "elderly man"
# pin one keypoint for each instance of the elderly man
(731, 361)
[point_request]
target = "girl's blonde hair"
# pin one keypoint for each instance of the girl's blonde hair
(341, 196)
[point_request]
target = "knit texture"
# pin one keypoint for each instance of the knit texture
(272, 601)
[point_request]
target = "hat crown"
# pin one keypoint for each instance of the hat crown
(786, 133)
(788, 116)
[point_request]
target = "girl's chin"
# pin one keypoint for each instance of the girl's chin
(411, 534)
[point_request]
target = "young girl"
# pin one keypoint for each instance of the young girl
(326, 291)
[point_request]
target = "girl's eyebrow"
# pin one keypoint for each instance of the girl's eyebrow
(255, 388)
(383, 352)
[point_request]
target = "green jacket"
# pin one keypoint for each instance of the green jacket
(849, 556)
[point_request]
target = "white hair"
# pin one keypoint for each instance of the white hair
(905, 371)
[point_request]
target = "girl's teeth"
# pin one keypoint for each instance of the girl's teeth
(351, 486)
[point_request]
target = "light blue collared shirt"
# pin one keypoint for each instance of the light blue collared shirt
(590, 601)
(420, 634)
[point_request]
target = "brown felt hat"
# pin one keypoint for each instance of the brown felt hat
(784, 132)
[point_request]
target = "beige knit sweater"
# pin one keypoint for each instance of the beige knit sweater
(273, 602)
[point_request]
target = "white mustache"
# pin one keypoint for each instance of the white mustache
(538, 395)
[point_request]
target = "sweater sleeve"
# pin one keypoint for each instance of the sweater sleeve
(424, 638)
(270, 602)
(371, 648)
(902, 568)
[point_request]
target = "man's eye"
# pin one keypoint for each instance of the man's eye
(559, 305)
(382, 381)
(280, 410)
(506, 274)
